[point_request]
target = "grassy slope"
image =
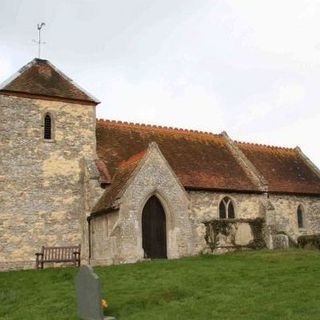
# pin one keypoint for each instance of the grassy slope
(246, 285)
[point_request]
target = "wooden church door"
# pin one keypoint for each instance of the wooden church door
(154, 237)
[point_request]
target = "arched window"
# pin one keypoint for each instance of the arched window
(300, 217)
(226, 209)
(47, 127)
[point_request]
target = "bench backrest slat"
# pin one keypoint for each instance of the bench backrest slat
(59, 253)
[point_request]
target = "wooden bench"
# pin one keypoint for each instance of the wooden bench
(58, 254)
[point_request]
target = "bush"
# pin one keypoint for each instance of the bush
(310, 241)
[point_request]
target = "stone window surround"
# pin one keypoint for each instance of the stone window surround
(233, 203)
(303, 213)
(53, 127)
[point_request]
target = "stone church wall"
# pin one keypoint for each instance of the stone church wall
(205, 207)
(121, 242)
(105, 239)
(42, 189)
(284, 215)
(225, 234)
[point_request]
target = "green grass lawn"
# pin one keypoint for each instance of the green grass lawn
(245, 285)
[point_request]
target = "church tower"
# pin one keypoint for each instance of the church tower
(48, 139)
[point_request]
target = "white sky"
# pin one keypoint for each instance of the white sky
(249, 67)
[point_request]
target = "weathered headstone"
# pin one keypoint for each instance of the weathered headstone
(280, 241)
(89, 295)
(243, 234)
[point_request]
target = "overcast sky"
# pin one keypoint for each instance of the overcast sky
(249, 67)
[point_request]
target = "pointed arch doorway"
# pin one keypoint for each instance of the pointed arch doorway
(154, 233)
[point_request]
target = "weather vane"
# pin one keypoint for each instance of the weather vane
(39, 42)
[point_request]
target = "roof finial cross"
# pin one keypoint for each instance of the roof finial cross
(39, 42)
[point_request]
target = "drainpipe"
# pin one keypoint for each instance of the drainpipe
(89, 237)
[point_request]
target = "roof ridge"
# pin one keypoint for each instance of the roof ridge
(157, 127)
(253, 144)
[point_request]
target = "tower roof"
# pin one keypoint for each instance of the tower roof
(40, 79)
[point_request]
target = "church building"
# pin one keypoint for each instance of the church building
(128, 192)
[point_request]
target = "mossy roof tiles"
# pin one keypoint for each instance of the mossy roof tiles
(203, 160)
(40, 79)
(200, 160)
(284, 168)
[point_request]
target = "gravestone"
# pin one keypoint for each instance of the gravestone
(243, 234)
(280, 241)
(89, 295)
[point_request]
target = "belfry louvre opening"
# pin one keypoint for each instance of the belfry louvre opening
(47, 127)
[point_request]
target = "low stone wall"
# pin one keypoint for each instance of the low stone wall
(235, 234)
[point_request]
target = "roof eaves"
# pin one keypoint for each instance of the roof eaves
(45, 97)
(232, 190)
(17, 74)
(102, 212)
(308, 194)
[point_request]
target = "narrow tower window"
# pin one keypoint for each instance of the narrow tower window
(300, 217)
(47, 127)
(226, 209)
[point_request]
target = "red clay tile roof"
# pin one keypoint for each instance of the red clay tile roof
(40, 78)
(200, 160)
(123, 174)
(103, 170)
(283, 168)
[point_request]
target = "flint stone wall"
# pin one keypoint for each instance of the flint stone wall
(42, 186)
(117, 235)
(279, 212)
(205, 207)
(284, 215)
(235, 234)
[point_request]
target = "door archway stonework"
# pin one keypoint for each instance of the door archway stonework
(154, 230)
(153, 177)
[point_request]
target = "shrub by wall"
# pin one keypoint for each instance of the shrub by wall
(309, 241)
(226, 233)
